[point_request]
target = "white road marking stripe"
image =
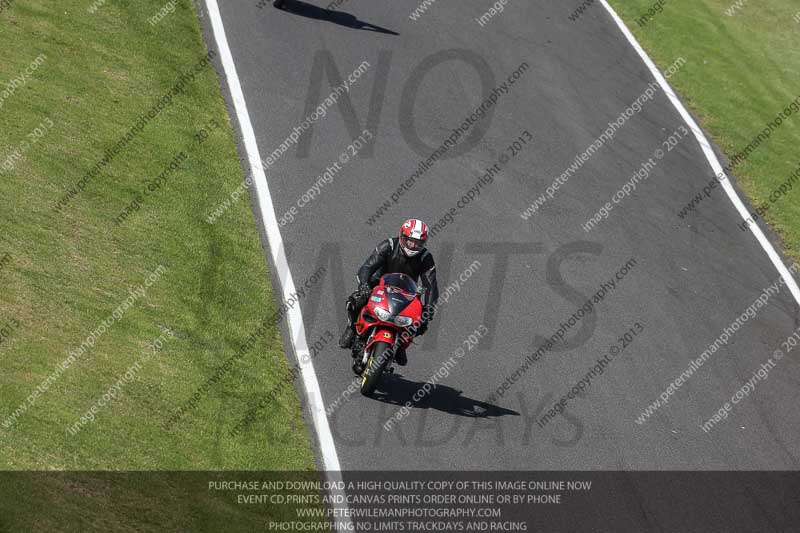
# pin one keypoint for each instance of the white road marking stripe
(417, 231)
(266, 208)
(716, 166)
(327, 447)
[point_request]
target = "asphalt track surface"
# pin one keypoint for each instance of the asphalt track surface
(693, 277)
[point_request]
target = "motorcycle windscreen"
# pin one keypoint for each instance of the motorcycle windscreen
(400, 291)
(401, 281)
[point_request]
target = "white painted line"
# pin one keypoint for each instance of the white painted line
(716, 166)
(294, 316)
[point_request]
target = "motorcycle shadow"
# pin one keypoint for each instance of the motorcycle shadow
(397, 390)
(347, 20)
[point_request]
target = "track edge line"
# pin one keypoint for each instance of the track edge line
(294, 316)
(708, 151)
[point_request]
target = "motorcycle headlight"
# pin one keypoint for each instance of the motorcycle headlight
(383, 314)
(403, 321)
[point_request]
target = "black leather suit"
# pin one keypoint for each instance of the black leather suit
(388, 258)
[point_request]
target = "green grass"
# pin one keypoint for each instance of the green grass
(741, 71)
(68, 271)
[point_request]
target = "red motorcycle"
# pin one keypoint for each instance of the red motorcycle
(393, 306)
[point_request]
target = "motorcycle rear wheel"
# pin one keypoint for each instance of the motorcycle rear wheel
(376, 364)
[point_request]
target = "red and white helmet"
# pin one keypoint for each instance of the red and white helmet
(413, 234)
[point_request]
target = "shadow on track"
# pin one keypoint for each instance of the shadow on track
(397, 390)
(296, 7)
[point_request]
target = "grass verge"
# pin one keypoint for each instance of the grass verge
(123, 280)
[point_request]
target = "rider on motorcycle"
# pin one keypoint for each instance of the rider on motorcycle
(405, 254)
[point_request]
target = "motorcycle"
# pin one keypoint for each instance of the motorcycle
(393, 306)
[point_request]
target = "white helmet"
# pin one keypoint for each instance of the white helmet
(413, 235)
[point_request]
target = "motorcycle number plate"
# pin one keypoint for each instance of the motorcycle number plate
(375, 298)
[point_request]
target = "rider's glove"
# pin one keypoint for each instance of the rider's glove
(362, 294)
(427, 316)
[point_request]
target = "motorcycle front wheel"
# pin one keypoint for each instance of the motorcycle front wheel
(376, 364)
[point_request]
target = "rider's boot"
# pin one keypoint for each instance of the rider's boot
(348, 336)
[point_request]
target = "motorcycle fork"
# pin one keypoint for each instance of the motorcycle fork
(393, 350)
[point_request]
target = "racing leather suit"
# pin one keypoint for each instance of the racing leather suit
(388, 258)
